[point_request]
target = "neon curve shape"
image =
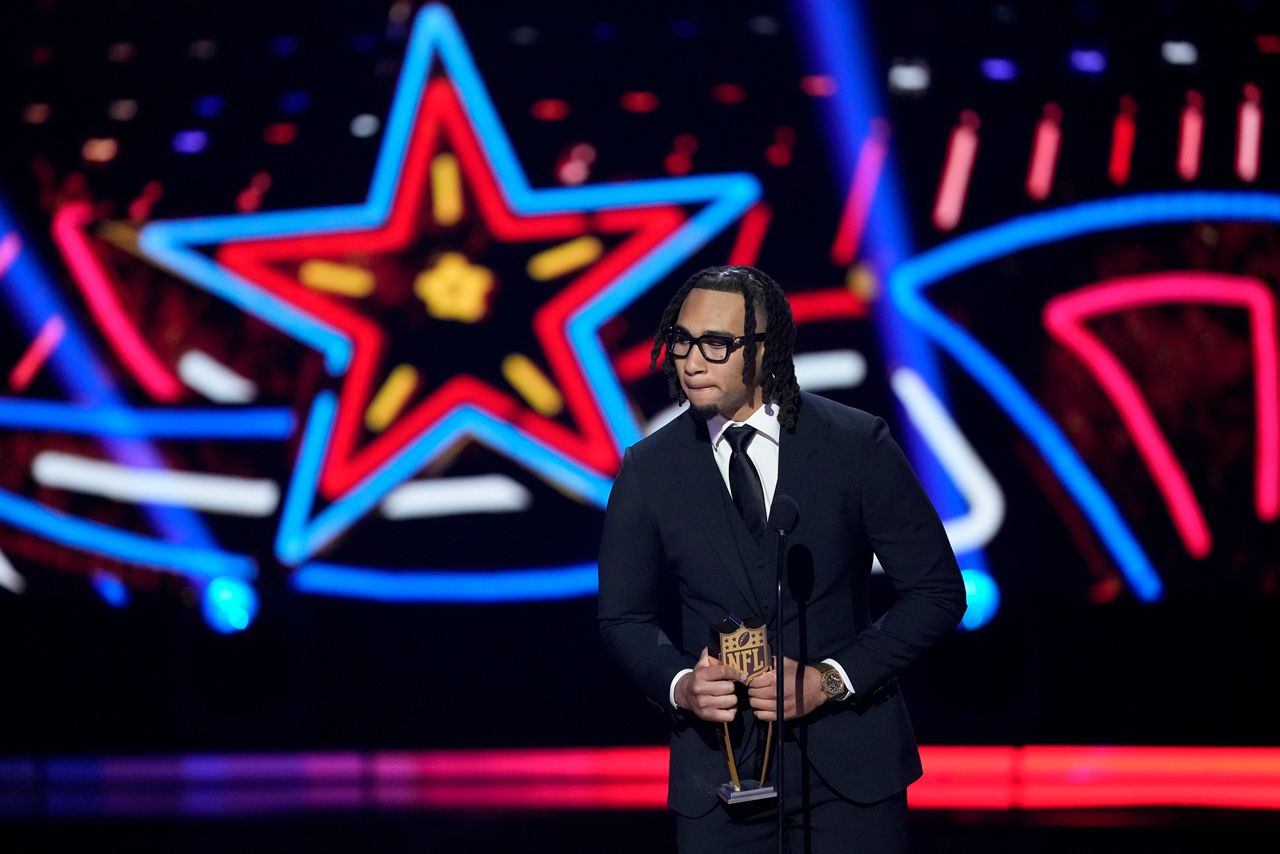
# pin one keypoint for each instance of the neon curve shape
(1065, 318)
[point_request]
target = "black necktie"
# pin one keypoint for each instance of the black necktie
(744, 480)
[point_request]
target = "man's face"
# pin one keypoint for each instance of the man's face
(718, 388)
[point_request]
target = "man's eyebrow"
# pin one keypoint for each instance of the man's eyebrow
(722, 332)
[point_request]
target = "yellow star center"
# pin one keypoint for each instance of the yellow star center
(455, 289)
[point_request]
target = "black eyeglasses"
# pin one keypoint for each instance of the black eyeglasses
(714, 348)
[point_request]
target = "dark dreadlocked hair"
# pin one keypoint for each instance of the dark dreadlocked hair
(758, 291)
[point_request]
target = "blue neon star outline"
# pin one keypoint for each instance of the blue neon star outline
(174, 244)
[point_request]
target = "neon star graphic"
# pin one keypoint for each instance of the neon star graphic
(383, 422)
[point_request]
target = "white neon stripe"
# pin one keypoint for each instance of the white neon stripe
(814, 372)
(973, 480)
(206, 375)
(9, 578)
(830, 369)
(493, 493)
(236, 496)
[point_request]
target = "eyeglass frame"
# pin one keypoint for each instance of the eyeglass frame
(733, 343)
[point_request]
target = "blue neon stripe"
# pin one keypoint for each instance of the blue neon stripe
(121, 545)
(128, 422)
(912, 278)
(291, 537)
(508, 585)
(836, 38)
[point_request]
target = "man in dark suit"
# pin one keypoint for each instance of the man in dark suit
(688, 518)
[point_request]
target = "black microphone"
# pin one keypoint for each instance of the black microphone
(786, 515)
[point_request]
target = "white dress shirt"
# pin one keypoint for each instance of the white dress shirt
(763, 453)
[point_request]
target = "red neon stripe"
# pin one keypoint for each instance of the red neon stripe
(123, 337)
(862, 190)
(1249, 134)
(827, 304)
(1044, 153)
(953, 185)
(996, 777)
(1191, 136)
(746, 248)
(1064, 317)
(48, 338)
(1123, 132)
(633, 363)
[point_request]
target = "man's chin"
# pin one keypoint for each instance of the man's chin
(705, 412)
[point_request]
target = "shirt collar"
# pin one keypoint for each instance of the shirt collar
(764, 419)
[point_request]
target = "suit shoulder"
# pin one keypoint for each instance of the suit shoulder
(663, 438)
(846, 419)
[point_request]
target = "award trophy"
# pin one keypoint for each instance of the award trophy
(744, 648)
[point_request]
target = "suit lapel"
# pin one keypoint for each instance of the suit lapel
(797, 473)
(798, 476)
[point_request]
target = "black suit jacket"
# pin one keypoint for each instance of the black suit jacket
(671, 524)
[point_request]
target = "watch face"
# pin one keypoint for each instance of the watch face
(832, 683)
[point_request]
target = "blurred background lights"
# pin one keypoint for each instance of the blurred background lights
(208, 106)
(122, 109)
(295, 102)
(1179, 53)
(365, 125)
(190, 141)
(909, 76)
(229, 605)
(997, 68)
(202, 49)
(111, 589)
(983, 595)
(102, 150)
(35, 114)
(1088, 61)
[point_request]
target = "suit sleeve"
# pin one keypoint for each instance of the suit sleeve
(907, 536)
(630, 590)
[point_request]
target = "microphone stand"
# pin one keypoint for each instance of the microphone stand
(780, 682)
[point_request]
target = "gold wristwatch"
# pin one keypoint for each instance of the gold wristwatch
(832, 682)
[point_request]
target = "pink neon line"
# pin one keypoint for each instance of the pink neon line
(862, 191)
(1249, 134)
(1123, 131)
(1191, 137)
(961, 152)
(1044, 153)
(10, 247)
(1064, 317)
(119, 332)
(46, 340)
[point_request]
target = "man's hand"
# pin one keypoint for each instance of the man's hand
(707, 690)
(802, 692)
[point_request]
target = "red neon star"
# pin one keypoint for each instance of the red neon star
(273, 265)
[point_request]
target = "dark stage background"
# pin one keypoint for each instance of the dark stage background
(325, 324)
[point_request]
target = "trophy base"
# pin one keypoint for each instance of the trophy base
(750, 791)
